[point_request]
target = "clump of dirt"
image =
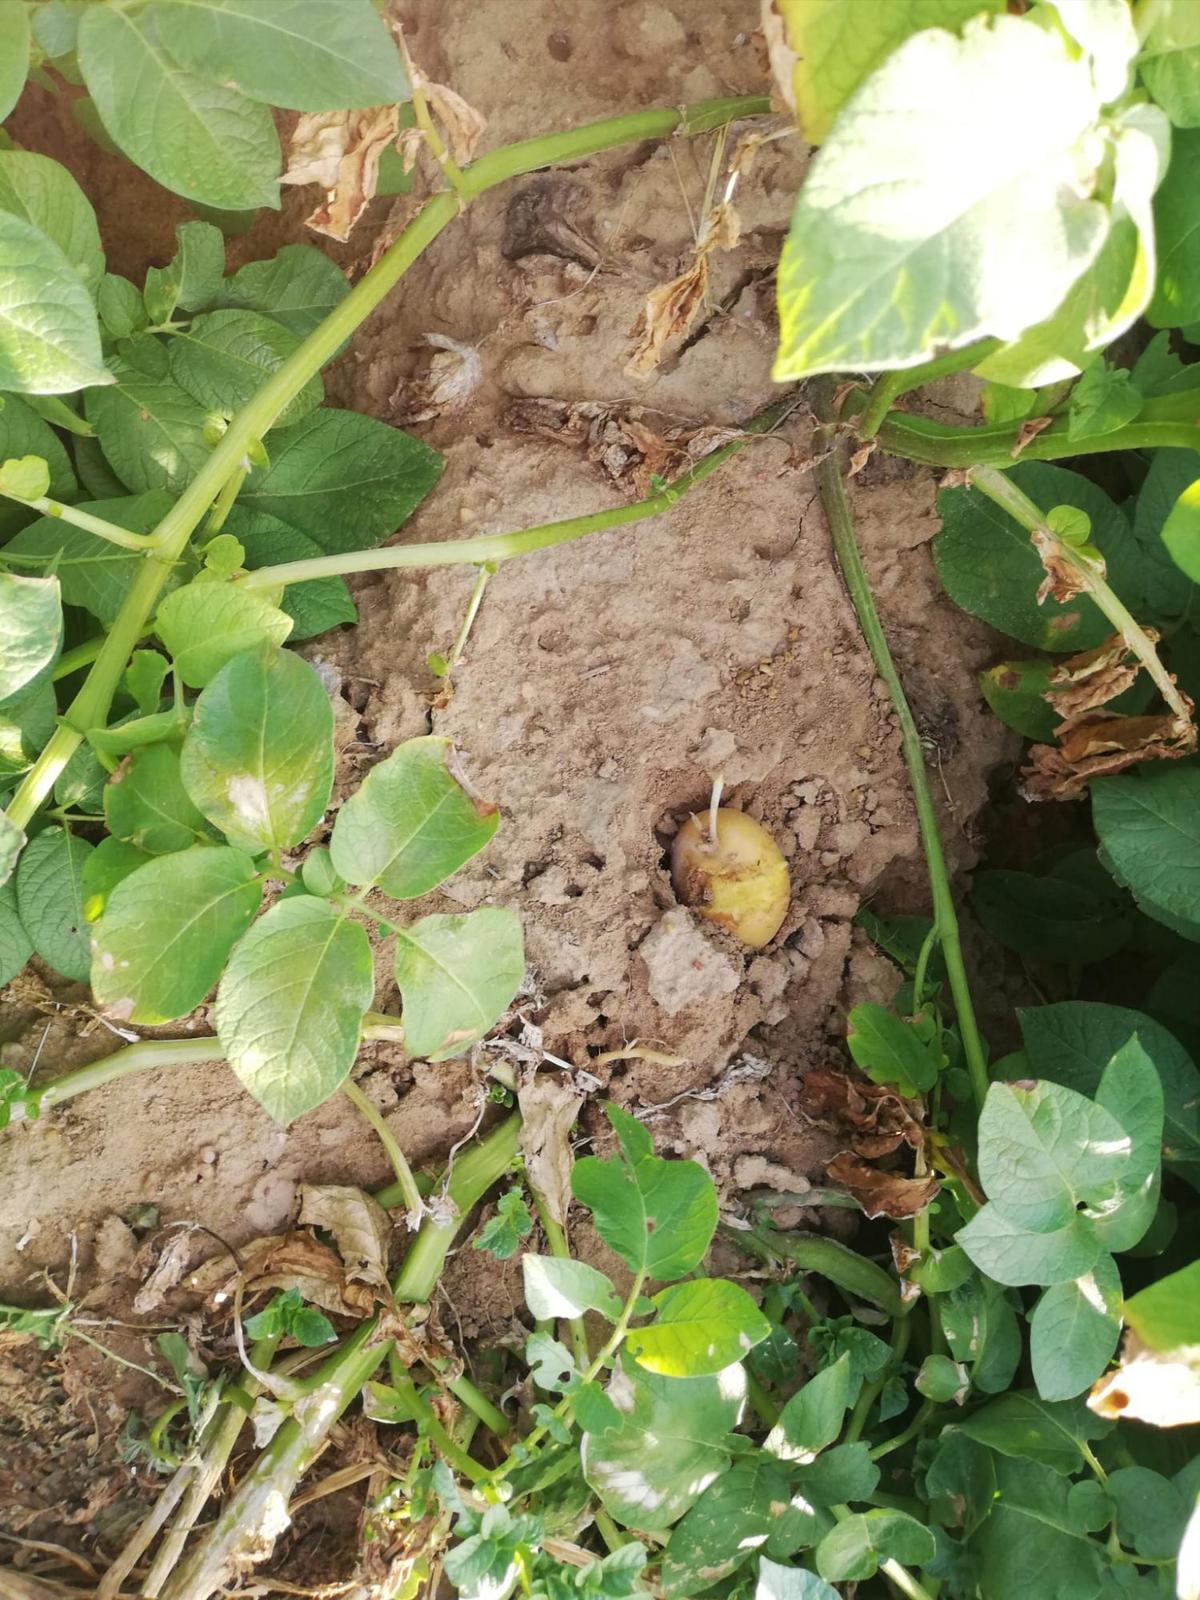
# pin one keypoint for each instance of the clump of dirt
(606, 683)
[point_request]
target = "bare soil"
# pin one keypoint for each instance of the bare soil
(604, 687)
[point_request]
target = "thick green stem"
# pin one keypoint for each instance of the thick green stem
(90, 707)
(498, 547)
(1002, 491)
(816, 1252)
(938, 444)
(404, 1175)
(888, 388)
(141, 542)
(81, 656)
(836, 503)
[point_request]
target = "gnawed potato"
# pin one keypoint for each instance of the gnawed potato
(741, 881)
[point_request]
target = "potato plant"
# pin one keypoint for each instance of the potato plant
(1002, 1396)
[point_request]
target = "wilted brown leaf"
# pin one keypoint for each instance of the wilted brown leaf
(168, 1271)
(1028, 430)
(1099, 743)
(1063, 580)
(548, 1110)
(360, 1227)
(879, 1119)
(879, 1193)
(463, 125)
(1093, 677)
(669, 312)
(284, 1261)
(780, 55)
(340, 150)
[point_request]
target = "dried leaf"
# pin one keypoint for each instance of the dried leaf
(1028, 430)
(463, 125)
(1098, 743)
(1094, 677)
(879, 1119)
(284, 1261)
(669, 312)
(879, 1193)
(780, 56)
(360, 1227)
(340, 150)
(1159, 1387)
(860, 458)
(168, 1271)
(451, 377)
(1063, 580)
(548, 1111)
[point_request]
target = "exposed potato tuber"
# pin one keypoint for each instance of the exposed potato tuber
(740, 881)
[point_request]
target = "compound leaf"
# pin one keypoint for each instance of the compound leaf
(1031, 1543)
(457, 975)
(224, 357)
(856, 1547)
(204, 625)
(1073, 1331)
(258, 757)
(700, 1328)
(151, 430)
(167, 929)
(732, 1518)
(146, 804)
(43, 192)
(298, 287)
(291, 1004)
(50, 900)
(49, 333)
(14, 53)
(557, 1288)
(31, 627)
(94, 574)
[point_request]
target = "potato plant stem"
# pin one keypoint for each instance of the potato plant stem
(413, 1203)
(836, 503)
(888, 388)
(90, 706)
(556, 1241)
(48, 507)
(499, 547)
(938, 444)
(1002, 491)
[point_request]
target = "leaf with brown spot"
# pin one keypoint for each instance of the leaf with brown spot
(1028, 430)
(340, 150)
(879, 1193)
(360, 1227)
(1161, 1387)
(1093, 677)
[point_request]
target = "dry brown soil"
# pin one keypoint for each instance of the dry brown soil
(604, 687)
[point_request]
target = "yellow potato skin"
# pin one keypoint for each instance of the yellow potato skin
(741, 883)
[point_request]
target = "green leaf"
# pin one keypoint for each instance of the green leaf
(1014, 690)
(43, 192)
(298, 287)
(205, 625)
(1015, 1255)
(55, 25)
(839, 47)
(1045, 1150)
(258, 757)
(286, 1313)
(1166, 1315)
(889, 1050)
(501, 1236)
(143, 679)
(14, 53)
(1176, 297)
(1030, 1544)
(731, 1519)
(167, 930)
(892, 256)
(50, 901)
(412, 823)
(1073, 1331)
(146, 804)
(225, 357)
(700, 1327)
(812, 1419)
(199, 265)
(1102, 401)
(27, 478)
(556, 1288)
(1130, 1089)
(303, 54)
(15, 948)
(856, 1547)
(108, 865)
(1170, 61)
(667, 1446)
(1048, 918)
(1181, 531)
(981, 1330)
(942, 1380)
(1032, 1430)
(122, 309)
(790, 1583)
(314, 606)
(49, 335)
(31, 627)
(1151, 1512)
(291, 1004)
(457, 976)
(318, 874)
(1074, 1041)
(1156, 584)
(94, 574)
(989, 567)
(343, 479)
(151, 430)
(1149, 829)
(27, 722)
(12, 842)
(200, 138)
(659, 1216)
(960, 1482)
(24, 433)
